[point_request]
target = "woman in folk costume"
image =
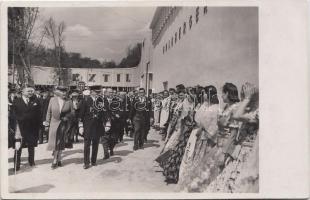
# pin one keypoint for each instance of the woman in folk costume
(220, 146)
(167, 105)
(177, 112)
(241, 174)
(202, 138)
(59, 115)
(171, 163)
(157, 109)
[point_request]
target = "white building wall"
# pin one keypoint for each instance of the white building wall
(146, 56)
(221, 47)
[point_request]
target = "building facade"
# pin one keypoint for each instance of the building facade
(203, 45)
(122, 79)
(188, 45)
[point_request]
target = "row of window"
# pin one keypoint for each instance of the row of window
(91, 77)
(182, 29)
(118, 77)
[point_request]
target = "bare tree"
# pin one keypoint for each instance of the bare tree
(21, 21)
(55, 33)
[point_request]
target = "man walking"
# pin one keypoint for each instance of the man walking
(140, 116)
(93, 116)
(27, 113)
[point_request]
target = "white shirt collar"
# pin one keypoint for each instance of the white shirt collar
(26, 100)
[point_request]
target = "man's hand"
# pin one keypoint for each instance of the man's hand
(17, 145)
(46, 125)
(81, 130)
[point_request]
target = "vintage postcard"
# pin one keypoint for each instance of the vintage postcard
(136, 99)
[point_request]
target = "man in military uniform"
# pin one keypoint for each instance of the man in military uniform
(106, 139)
(140, 117)
(117, 114)
(93, 116)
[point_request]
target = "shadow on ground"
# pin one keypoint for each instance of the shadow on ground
(36, 189)
(122, 152)
(111, 159)
(151, 143)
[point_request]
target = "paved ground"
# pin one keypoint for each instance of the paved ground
(126, 171)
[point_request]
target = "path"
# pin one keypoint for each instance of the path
(126, 171)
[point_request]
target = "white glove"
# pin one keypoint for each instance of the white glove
(17, 145)
(45, 123)
(107, 126)
(81, 130)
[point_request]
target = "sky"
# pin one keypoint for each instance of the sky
(101, 33)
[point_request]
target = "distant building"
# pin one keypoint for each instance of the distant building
(188, 45)
(201, 45)
(124, 79)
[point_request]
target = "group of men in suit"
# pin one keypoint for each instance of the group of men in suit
(102, 119)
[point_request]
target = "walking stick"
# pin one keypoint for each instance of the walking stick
(15, 161)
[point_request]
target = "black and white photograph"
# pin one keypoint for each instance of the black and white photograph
(133, 99)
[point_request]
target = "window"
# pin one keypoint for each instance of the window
(172, 42)
(184, 28)
(127, 78)
(197, 14)
(75, 77)
(118, 78)
(175, 37)
(190, 22)
(180, 33)
(106, 77)
(205, 10)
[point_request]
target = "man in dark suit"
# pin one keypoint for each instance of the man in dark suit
(93, 116)
(140, 117)
(27, 113)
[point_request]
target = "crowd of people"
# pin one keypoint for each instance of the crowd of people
(203, 141)
(100, 116)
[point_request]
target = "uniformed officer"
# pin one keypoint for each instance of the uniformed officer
(93, 117)
(140, 117)
(117, 114)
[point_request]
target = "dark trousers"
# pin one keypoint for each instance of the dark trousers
(19, 153)
(139, 133)
(87, 143)
(42, 132)
(105, 144)
(121, 134)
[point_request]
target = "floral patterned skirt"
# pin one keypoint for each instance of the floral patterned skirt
(171, 165)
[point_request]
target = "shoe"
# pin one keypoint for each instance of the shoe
(106, 157)
(111, 153)
(59, 164)
(54, 166)
(86, 166)
(135, 148)
(94, 164)
(32, 164)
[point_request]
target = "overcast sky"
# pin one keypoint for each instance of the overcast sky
(101, 33)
